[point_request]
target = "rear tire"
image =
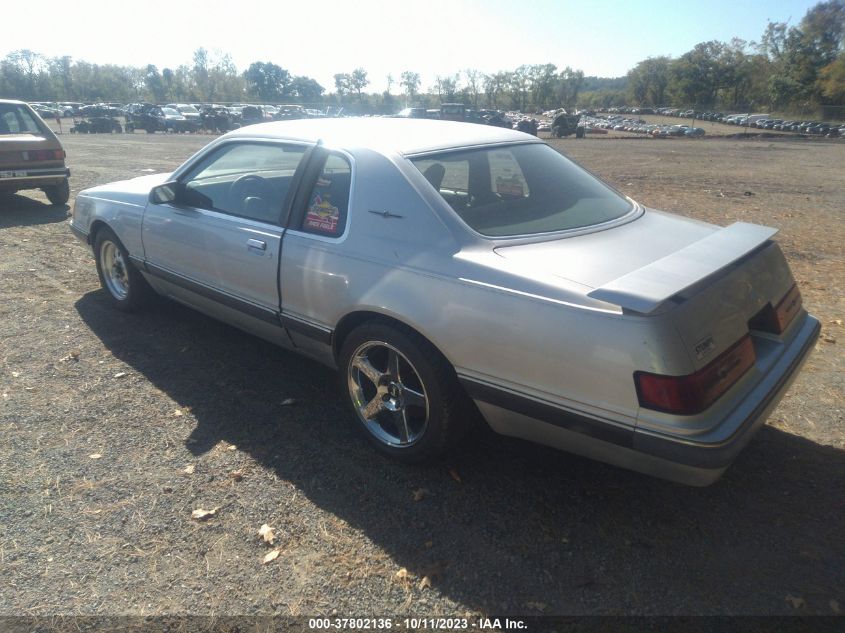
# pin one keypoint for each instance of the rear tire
(403, 393)
(58, 194)
(125, 287)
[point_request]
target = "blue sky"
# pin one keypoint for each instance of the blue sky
(433, 37)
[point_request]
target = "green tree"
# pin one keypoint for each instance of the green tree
(358, 81)
(306, 89)
(267, 81)
(155, 84)
(410, 81)
(569, 85)
(542, 78)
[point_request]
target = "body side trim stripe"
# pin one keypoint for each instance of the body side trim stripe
(247, 307)
(547, 412)
(307, 328)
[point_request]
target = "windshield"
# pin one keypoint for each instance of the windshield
(17, 119)
(189, 109)
(520, 190)
(170, 112)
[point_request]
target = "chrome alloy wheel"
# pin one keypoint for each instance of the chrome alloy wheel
(387, 394)
(114, 269)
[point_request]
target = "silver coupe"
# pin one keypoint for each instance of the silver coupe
(447, 269)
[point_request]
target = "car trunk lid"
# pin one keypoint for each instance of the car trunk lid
(710, 282)
(15, 149)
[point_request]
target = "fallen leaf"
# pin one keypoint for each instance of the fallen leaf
(202, 515)
(288, 402)
(419, 494)
(537, 606)
(454, 474)
(836, 322)
(237, 475)
(429, 544)
(189, 469)
(834, 606)
(425, 583)
(266, 532)
(829, 339)
(178, 413)
(95, 456)
(402, 574)
(271, 556)
(796, 602)
(120, 374)
(15, 374)
(231, 447)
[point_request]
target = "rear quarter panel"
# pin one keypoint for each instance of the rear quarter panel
(410, 269)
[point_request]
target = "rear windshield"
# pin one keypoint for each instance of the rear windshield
(520, 190)
(17, 119)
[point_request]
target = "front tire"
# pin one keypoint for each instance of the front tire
(403, 393)
(58, 194)
(125, 288)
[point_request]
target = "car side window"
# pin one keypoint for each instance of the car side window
(450, 177)
(249, 180)
(328, 202)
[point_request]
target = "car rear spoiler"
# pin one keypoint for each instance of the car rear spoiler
(644, 289)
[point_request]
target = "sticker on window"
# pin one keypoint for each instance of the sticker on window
(510, 186)
(322, 216)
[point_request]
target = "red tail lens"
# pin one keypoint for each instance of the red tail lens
(44, 154)
(775, 320)
(788, 307)
(693, 393)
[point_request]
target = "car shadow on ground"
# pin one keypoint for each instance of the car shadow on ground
(21, 210)
(504, 525)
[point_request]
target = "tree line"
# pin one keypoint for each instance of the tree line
(789, 68)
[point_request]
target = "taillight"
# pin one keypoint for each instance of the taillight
(693, 393)
(775, 319)
(44, 154)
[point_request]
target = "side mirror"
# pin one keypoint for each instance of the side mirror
(169, 192)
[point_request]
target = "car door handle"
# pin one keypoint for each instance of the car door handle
(257, 245)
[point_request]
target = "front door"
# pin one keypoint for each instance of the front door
(221, 237)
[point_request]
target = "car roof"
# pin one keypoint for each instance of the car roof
(404, 136)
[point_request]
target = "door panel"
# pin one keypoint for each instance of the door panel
(236, 256)
(224, 232)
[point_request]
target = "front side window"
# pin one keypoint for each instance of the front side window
(245, 179)
(328, 202)
(520, 190)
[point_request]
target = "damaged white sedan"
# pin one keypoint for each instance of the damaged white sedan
(443, 267)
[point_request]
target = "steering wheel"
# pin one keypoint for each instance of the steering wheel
(250, 185)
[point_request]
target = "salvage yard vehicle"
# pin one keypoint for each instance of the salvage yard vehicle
(145, 116)
(447, 269)
(31, 156)
(96, 125)
(565, 124)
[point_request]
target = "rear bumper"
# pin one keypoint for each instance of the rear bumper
(737, 429)
(32, 178)
(680, 459)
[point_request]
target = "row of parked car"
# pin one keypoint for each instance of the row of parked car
(619, 123)
(178, 117)
(764, 122)
(759, 121)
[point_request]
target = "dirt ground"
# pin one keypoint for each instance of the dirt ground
(116, 427)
